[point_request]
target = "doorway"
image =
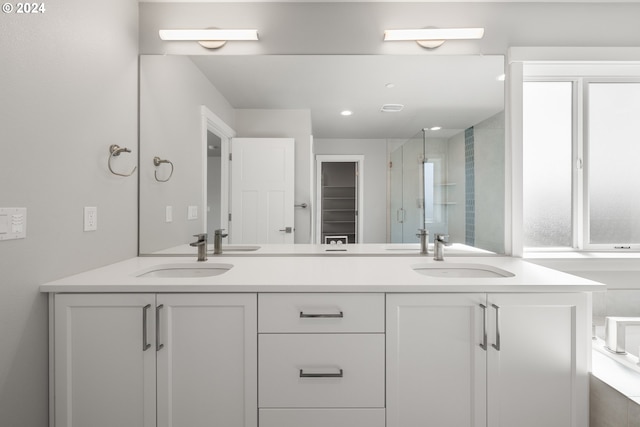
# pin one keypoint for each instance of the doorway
(339, 199)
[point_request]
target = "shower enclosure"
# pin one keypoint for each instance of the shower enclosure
(422, 196)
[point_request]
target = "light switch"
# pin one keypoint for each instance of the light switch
(13, 223)
(192, 212)
(4, 224)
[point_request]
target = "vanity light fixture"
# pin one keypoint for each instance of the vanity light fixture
(211, 38)
(432, 38)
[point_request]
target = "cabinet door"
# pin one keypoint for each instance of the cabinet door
(538, 356)
(207, 360)
(436, 368)
(104, 370)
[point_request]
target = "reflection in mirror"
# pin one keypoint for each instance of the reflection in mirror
(433, 182)
(214, 182)
(452, 186)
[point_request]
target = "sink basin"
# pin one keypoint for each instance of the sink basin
(460, 270)
(232, 248)
(185, 270)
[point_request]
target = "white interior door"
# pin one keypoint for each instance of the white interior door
(262, 187)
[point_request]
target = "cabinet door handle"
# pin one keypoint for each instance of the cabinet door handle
(145, 343)
(158, 345)
(497, 343)
(338, 374)
(483, 344)
(321, 315)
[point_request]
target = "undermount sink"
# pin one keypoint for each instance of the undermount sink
(234, 248)
(185, 270)
(460, 270)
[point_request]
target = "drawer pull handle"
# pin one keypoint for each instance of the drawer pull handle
(321, 315)
(321, 375)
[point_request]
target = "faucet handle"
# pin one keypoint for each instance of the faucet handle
(202, 237)
(219, 231)
(442, 238)
(422, 232)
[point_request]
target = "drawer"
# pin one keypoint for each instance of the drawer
(320, 312)
(322, 417)
(321, 370)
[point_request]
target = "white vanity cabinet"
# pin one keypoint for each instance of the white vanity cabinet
(116, 355)
(487, 360)
(321, 360)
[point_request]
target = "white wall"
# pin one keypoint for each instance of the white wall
(357, 27)
(296, 124)
(489, 187)
(172, 90)
(375, 180)
(68, 85)
(489, 184)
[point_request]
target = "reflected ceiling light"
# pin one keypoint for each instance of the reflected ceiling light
(432, 38)
(346, 113)
(391, 108)
(211, 38)
(436, 128)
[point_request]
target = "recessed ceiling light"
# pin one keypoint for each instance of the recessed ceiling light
(501, 77)
(391, 108)
(436, 128)
(390, 85)
(346, 113)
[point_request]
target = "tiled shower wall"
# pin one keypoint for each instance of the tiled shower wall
(469, 186)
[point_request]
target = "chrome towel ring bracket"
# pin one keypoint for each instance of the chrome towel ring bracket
(114, 151)
(157, 161)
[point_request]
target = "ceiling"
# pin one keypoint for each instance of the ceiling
(453, 92)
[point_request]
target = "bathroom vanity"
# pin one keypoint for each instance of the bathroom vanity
(320, 340)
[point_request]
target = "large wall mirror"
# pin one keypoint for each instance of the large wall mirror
(437, 163)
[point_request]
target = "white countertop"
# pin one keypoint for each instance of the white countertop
(323, 274)
(296, 249)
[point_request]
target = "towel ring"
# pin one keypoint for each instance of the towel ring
(157, 161)
(114, 151)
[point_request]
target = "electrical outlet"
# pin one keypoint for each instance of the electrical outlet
(90, 218)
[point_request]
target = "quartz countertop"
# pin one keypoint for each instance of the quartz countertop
(323, 274)
(304, 249)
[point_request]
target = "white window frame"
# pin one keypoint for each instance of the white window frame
(576, 156)
(586, 229)
(580, 169)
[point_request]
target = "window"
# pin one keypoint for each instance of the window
(581, 190)
(547, 152)
(613, 163)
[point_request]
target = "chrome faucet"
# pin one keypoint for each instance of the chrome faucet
(217, 241)
(423, 234)
(201, 244)
(614, 332)
(439, 242)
